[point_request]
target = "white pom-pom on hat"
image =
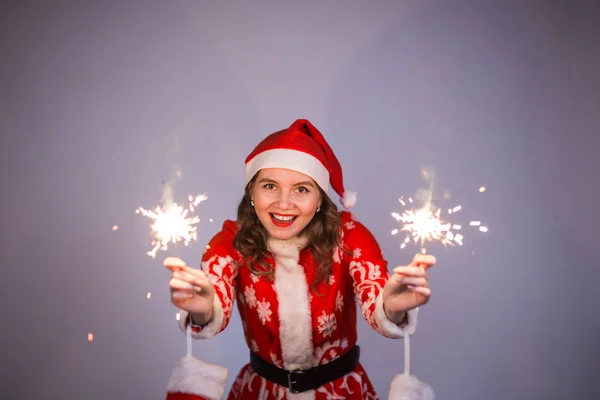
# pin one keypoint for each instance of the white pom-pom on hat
(349, 199)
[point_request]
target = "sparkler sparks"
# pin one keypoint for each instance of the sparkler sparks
(425, 223)
(172, 223)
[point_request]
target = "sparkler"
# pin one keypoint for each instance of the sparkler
(171, 222)
(425, 223)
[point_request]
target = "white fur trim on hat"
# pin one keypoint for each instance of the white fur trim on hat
(289, 159)
(390, 329)
(192, 375)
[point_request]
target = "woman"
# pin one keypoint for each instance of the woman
(296, 265)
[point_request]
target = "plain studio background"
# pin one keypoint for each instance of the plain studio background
(100, 103)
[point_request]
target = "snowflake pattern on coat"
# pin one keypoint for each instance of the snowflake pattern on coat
(327, 324)
(250, 296)
(264, 311)
(271, 318)
(339, 302)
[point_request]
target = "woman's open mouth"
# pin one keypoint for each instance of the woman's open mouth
(282, 221)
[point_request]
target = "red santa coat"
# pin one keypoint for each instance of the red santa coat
(286, 322)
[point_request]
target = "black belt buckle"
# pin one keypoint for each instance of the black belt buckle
(292, 380)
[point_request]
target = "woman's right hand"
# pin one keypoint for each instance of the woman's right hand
(191, 289)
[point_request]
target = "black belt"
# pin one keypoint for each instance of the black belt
(301, 380)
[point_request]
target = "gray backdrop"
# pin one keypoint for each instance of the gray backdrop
(100, 102)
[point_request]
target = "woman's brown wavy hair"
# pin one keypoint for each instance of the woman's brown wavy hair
(323, 233)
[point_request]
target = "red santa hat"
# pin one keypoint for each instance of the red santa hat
(302, 148)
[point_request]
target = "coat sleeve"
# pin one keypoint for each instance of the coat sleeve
(218, 263)
(368, 270)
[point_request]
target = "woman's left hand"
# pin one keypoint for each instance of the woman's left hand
(408, 286)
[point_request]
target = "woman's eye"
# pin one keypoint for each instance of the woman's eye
(269, 186)
(302, 189)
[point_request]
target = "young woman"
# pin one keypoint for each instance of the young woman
(297, 267)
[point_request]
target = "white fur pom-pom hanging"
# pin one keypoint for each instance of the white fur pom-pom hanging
(349, 199)
(408, 387)
(194, 377)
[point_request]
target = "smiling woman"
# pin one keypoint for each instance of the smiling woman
(289, 204)
(285, 201)
(296, 266)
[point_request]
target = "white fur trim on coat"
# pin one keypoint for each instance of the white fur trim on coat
(295, 323)
(390, 329)
(212, 327)
(191, 375)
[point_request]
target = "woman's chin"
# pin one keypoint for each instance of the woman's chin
(285, 232)
(281, 234)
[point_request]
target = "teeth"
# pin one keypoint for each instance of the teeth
(280, 218)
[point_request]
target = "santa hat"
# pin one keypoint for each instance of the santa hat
(302, 148)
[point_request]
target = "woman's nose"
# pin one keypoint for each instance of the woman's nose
(285, 200)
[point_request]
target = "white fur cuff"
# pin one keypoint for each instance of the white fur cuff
(212, 327)
(390, 329)
(191, 375)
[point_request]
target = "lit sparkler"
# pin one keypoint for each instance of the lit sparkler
(171, 222)
(425, 223)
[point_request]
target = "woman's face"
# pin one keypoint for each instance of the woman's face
(285, 201)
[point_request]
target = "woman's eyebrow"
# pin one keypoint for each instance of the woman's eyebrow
(305, 183)
(267, 180)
